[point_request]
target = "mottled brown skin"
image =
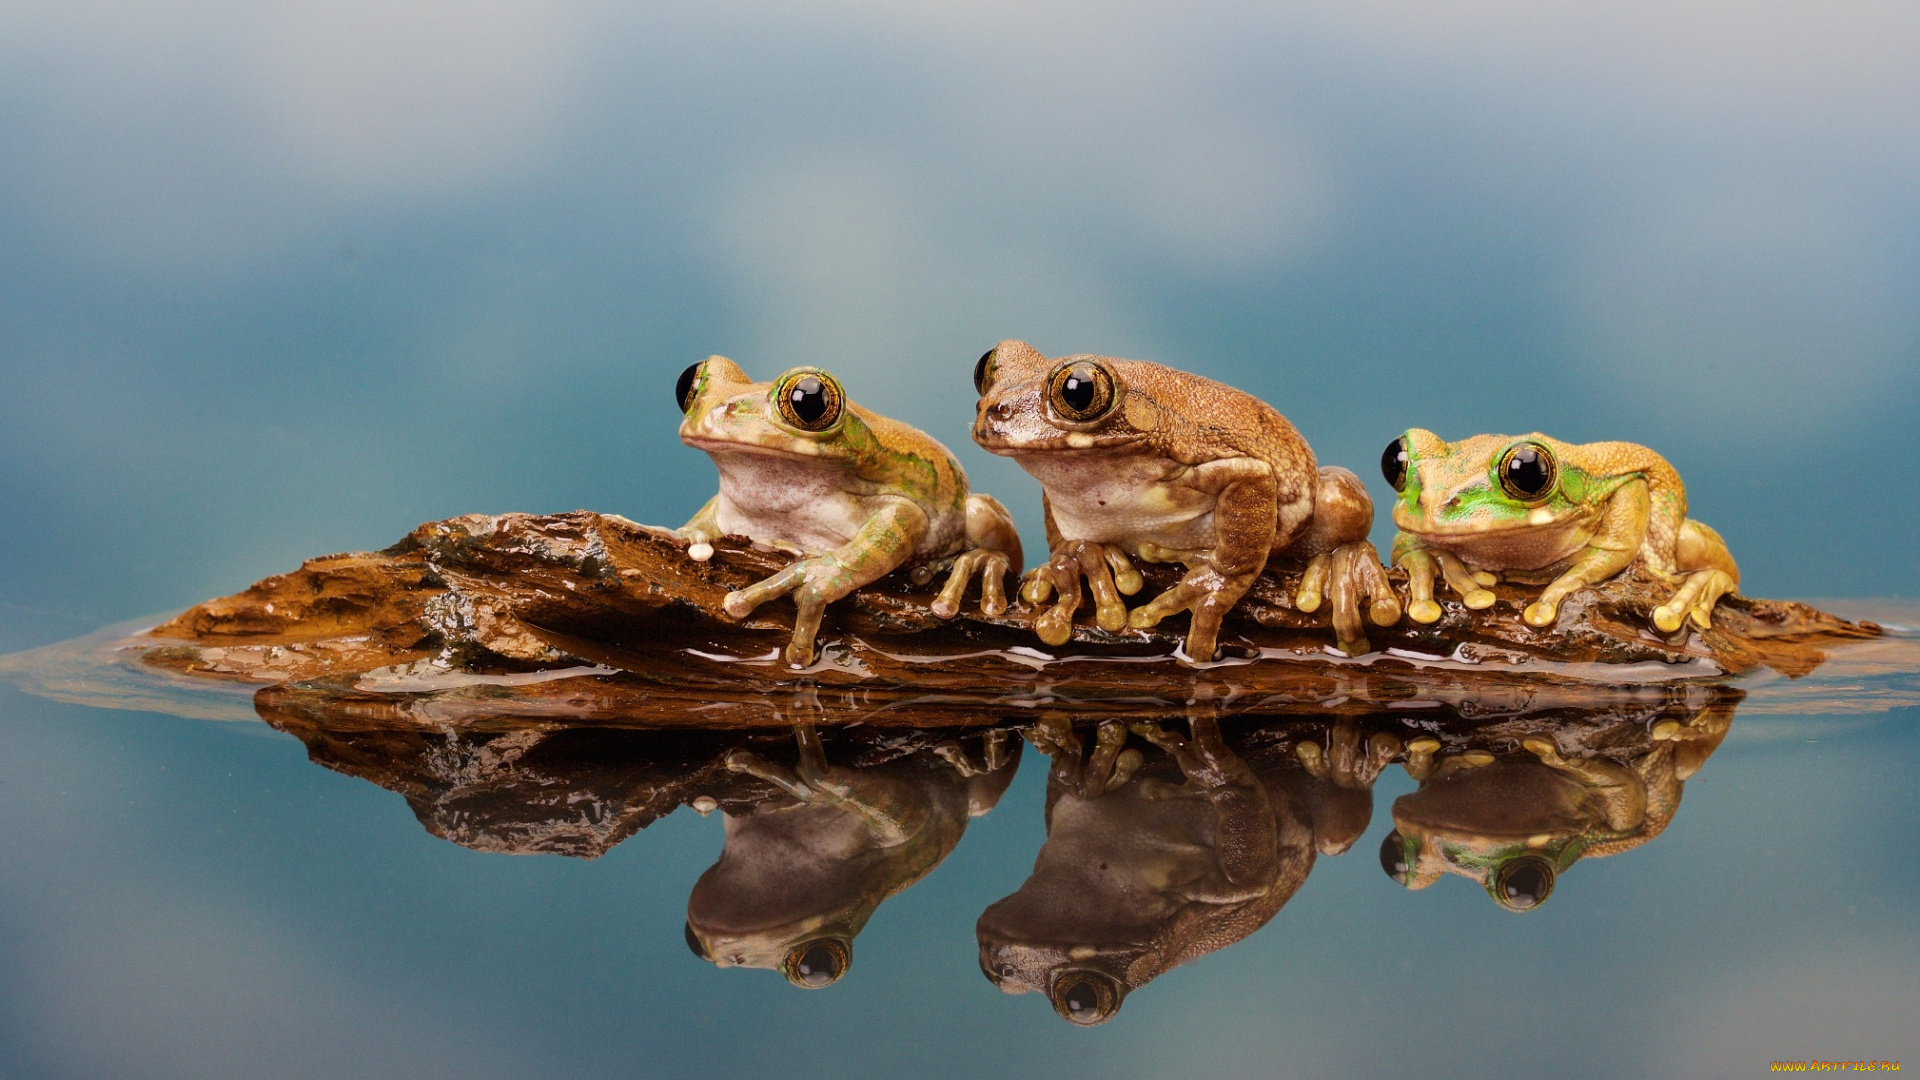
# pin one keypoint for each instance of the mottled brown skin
(1175, 468)
(1139, 874)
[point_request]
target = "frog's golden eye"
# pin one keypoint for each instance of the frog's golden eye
(1393, 463)
(983, 370)
(1086, 997)
(1528, 471)
(689, 382)
(1393, 857)
(811, 965)
(809, 400)
(1080, 390)
(1522, 884)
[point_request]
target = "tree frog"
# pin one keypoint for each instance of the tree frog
(1141, 871)
(1540, 510)
(798, 877)
(1516, 822)
(854, 494)
(1140, 461)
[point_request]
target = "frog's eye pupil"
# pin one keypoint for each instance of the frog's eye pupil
(1393, 857)
(809, 399)
(1524, 884)
(1393, 463)
(1082, 1001)
(1078, 391)
(1527, 472)
(983, 370)
(683, 390)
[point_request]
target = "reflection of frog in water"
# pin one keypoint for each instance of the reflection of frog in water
(1515, 823)
(1140, 873)
(798, 878)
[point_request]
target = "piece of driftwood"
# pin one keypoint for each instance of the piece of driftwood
(589, 616)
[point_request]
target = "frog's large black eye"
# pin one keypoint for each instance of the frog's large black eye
(809, 400)
(1393, 463)
(1527, 472)
(1523, 884)
(689, 382)
(693, 942)
(1393, 857)
(1086, 997)
(983, 370)
(811, 965)
(1080, 390)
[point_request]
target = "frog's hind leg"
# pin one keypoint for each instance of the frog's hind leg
(993, 549)
(1341, 563)
(1710, 573)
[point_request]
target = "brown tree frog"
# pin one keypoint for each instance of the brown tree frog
(1140, 461)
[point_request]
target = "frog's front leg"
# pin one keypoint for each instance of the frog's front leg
(993, 549)
(1623, 527)
(1112, 765)
(1244, 524)
(1246, 841)
(883, 543)
(1622, 795)
(1423, 564)
(1109, 574)
(701, 531)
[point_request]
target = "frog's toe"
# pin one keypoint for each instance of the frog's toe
(1485, 578)
(1313, 583)
(1424, 611)
(1478, 599)
(1694, 601)
(1541, 613)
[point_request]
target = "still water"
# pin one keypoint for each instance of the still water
(286, 887)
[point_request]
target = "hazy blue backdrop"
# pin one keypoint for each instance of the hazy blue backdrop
(286, 278)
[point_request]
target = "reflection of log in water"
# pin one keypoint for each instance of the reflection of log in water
(823, 827)
(584, 616)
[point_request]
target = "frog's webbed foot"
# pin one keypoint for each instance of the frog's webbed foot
(1546, 750)
(993, 754)
(815, 582)
(1349, 761)
(1419, 760)
(1694, 601)
(992, 567)
(1424, 564)
(1209, 594)
(1109, 574)
(699, 542)
(1113, 763)
(1348, 573)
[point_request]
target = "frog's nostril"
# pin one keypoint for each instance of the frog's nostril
(1002, 411)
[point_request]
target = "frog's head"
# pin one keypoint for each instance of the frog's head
(1085, 983)
(1485, 484)
(1030, 404)
(752, 914)
(802, 414)
(811, 963)
(1517, 877)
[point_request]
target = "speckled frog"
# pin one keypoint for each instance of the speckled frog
(854, 494)
(1535, 509)
(1140, 461)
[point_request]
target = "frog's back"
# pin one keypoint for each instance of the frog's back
(1199, 419)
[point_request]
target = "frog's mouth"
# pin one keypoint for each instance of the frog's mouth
(1427, 524)
(730, 447)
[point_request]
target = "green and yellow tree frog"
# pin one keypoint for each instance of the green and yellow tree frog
(1140, 461)
(1535, 510)
(854, 494)
(801, 874)
(1516, 822)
